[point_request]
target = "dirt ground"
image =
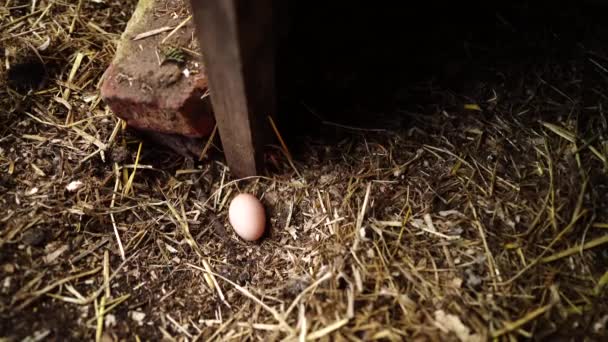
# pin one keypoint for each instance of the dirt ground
(449, 186)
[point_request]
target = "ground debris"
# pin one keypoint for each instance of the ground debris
(477, 210)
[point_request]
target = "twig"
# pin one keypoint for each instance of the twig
(327, 330)
(20, 19)
(572, 250)
(60, 282)
(122, 251)
(539, 258)
(363, 208)
(184, 22)
(285, 149)
(275, 314)
(510, 326)
(208, 144)
(489, 256)
(152, 32)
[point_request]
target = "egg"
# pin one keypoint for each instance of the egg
(247, 217)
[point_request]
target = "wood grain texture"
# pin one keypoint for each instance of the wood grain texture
(238, 44)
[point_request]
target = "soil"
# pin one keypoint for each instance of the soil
(446, 185)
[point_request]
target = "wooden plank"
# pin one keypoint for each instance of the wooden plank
(238, 45)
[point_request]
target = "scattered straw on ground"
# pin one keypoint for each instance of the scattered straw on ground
(484, 218)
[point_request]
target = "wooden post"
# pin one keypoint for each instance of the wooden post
(238, 46)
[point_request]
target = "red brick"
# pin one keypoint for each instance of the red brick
(153, 97)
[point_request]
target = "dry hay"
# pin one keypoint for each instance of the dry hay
(483, 218)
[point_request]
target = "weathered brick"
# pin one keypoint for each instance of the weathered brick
(150, 90)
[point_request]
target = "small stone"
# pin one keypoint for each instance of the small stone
(110, 320)
(370, 253)
(74, 185)
(364, 234)
(601, 324)
(138, 316)
(54, 254)
(472, 280)
(457, 282)
(8, 268)
(31, 191)
(6, 283)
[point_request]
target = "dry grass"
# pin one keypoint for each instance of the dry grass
(486, 219)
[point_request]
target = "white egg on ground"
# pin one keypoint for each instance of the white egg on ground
(247, 216)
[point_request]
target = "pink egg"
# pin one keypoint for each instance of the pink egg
(247, 217)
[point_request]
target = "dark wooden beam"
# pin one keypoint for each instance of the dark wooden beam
(238, 46)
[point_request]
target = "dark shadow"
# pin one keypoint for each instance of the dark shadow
(366, 64)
